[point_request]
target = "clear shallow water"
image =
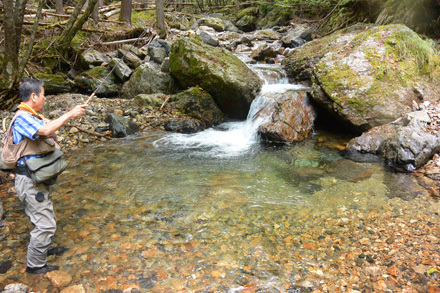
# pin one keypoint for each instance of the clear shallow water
(135, 215)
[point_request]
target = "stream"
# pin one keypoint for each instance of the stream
(216, 211)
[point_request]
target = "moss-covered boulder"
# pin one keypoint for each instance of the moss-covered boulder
(90, 80)
(247, 19)
(150, 101)
(149, 79)
(200, 105)
(55, 83)
(225, 77)
(367, 76)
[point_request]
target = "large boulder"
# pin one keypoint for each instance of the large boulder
(200, 105)
(229, 81)
(291, 118)
(368, 75)
(91, 58)
(149, 79)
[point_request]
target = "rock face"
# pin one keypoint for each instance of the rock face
(199, 105)
(368, 76)
(229, 81)
(291, 119)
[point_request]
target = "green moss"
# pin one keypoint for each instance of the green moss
(143, 18)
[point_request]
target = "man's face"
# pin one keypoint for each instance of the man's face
(39, 100)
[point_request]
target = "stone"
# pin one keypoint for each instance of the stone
(91, 58)
(373, 271)
(120, 126)
(55, 83)
(122, 70)
(209, 39)
(74, 289)
(351, 72)
(131, 59)
(150, 101)
(59, 278)
(200, 105)
(290, 118)
(90, 80)
(194, 63)
(147, 79)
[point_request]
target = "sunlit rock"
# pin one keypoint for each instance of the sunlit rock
(367, 76)
(291, 118)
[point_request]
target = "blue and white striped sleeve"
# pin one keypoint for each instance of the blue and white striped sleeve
(26, 126)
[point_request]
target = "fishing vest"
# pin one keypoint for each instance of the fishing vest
(11, 152)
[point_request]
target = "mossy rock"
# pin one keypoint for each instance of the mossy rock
(90, 80)
(200, 105)
(225, 77)
(55, 83)
(368, 75)
(150, 101)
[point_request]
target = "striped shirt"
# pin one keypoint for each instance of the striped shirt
(26, 126)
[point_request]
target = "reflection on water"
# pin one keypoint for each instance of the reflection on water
(153, 218)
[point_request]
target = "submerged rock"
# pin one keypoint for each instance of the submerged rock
(230, 82)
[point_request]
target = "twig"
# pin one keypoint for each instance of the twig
(86, 131)
(166, 100)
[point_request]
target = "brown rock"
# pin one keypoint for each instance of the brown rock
(59, 278)
(74, 289)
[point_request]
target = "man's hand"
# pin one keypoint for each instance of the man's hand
(78, 110)
(54, 125)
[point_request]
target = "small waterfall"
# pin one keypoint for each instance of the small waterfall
(231, 139)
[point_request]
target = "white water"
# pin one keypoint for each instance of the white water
(232, 139)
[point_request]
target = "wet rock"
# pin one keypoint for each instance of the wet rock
(5, 265)
(247, 19)
(263, 52)
(59, 278)
(291, 119)
(373, 271)
(186, 126)
(299, 31)
(120, 126)
(122, 71)
(348, 170)
(16, 288)
(212, 68)
(74, 289)
(200, 105)
(147, 79)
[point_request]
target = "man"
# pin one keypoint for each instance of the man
(37, 199)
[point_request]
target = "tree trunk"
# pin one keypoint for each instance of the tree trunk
(126, 8)
(59, 7)
(160, 16)
(74, 25)
(95, 13)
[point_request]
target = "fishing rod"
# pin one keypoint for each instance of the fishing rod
(119, 61)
